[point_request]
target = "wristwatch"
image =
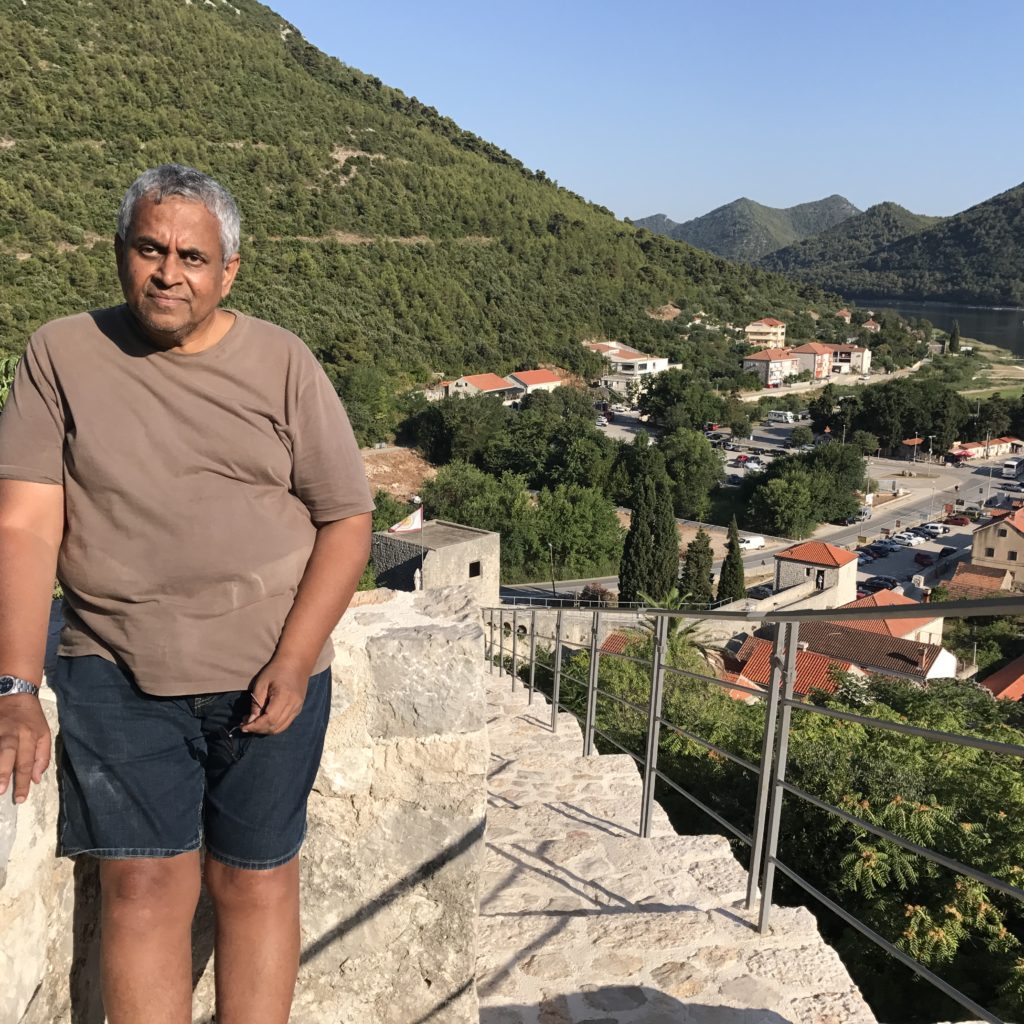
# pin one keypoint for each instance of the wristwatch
(10, 685)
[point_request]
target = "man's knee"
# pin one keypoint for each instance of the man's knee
(157, 888)
(246, 889)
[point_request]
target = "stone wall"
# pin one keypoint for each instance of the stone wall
(391, 862)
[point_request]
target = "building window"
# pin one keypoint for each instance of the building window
(1012, 556)
(990, 552)
(1001, 533)
(807, 571)
(474, 570)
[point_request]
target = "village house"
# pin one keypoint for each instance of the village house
(827, 565)
(1007, 683)
(850, 359)
(872, 326)
(926, 629)
(772, 365)
(528, 381)
(479, 384)
(626, 365)
(766, 333)
(1000, 544)
(972, 582)
(815, 357)
(845, 315)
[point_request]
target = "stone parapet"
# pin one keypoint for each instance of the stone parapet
(391, 862)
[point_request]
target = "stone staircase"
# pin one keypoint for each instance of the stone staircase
(583, 922)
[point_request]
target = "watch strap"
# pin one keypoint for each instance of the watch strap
(10, 685)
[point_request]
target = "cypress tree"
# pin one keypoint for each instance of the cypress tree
(731, 585)
(695, 580)
(954, 337)
(650, 555)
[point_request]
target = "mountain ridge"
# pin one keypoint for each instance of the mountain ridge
(746, 230)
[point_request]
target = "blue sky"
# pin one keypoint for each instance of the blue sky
(657, 107)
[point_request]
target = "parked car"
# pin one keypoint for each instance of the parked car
(751, 543)
(1011, 485)
(602, 421)
(958, 520)
(876, 583)
(916, 540)
(754, 463)
(864, 559)
(946, 552)
(936, 529)
(734, 479)
(902, 539)
(924, 558)
(761, 592)
(885, 547)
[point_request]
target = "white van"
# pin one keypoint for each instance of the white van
(751, 543)
(781, 416)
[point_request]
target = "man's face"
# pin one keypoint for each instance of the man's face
(172, 272)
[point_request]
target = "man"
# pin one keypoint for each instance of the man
(190, 476)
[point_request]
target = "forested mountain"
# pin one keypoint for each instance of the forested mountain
(745, 230)
(823, 257)
(975, 256)
(397, 245)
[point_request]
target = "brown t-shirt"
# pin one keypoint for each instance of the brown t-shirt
(192, 486)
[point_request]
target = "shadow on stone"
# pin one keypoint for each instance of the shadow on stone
(625, 1004)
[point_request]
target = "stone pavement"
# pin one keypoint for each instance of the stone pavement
(583, 922)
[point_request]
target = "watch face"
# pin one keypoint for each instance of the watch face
(6, 684)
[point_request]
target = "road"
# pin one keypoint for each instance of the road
(927, 492)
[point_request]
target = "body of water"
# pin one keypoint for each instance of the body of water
(1003, 327)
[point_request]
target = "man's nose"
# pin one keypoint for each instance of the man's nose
(169, 270)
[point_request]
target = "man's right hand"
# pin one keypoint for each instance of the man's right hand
(24, 743)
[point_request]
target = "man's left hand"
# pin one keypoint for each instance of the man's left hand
(277, 697)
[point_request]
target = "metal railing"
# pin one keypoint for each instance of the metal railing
(519, 628)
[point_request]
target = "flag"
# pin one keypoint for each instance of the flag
(413, 521)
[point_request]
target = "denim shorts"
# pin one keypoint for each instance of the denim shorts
(144, 776)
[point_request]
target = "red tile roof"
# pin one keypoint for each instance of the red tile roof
(487, 382)
(768, 321)
(890, 627)
(531, 377)
(872, 652)
(1008, 682)
(813, 671)
(817, 347)
(770, 354)
(617, 641)
(817, 552)
(976, 581)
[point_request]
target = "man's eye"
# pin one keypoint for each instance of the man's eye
(194, 259)
(147, 250)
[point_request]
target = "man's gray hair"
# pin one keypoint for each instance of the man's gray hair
(178, 180)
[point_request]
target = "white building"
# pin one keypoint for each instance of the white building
(766, 333)
(773, 365)
(528, 381)
(626, 365)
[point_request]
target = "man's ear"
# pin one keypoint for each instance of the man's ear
(230, 271)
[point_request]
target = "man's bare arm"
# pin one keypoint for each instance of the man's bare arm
(332, 573)
(31, 529)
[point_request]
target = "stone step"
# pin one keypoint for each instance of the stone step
(518, 736)
(558, 819)
(661, 967)
(583, 871)
(544, 776)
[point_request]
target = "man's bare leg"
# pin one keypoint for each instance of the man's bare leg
(146, 939)
(257, 941)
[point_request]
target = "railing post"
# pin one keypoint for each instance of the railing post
(764, 775)
(533, 650)
(591, 715)
(660, 656)
(556, 681)
(501, 640)
(489, 640)
(515, 643)
(779, 774)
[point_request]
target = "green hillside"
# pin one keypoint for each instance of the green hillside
(825, 256)
(397, 245)
(975, 256)
(745, 230)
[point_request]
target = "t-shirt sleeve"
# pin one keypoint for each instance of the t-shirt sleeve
(327, 469)
(33, 422)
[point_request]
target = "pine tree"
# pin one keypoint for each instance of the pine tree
(695, 580)
(954, 337)
(731, 585)
(650, 555)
